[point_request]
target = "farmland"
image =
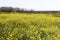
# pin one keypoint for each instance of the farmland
(29, 27)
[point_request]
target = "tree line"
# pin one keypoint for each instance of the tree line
(11, 9)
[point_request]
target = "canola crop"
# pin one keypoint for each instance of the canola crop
(29, 27)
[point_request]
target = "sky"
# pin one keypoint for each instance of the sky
(49, 5)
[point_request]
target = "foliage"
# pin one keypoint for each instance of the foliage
(29, 27)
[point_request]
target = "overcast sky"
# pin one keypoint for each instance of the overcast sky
(32, 4)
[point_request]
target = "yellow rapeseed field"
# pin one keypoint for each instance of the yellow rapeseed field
(29, 27)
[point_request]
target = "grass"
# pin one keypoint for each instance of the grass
(29, 27)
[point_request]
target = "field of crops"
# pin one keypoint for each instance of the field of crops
(29, 27)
